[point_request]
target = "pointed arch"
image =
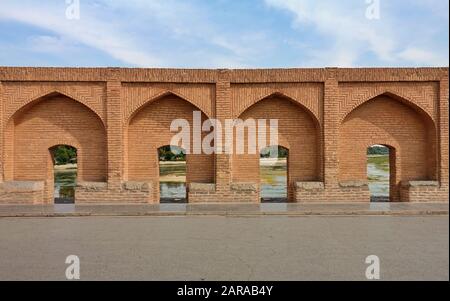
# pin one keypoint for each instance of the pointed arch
(156, 97)
(394, 121)
(393, 95)
(71, 143)
(299, 131)
(282, 95)
(148, 128)
(54, 119)
(48, 94)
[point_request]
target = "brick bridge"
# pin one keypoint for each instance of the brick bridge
(117, 119)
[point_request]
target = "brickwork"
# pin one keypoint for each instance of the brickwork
(118, 118)
(48, 122)
(149, 129)
(22, 192)
(298, 131)
(377, 122)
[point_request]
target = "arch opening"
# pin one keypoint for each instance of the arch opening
(297, 131)
(408, 134)
(64, 170)
(43, 125)
(381, 172)
(149, 130)
(273, 171)
(172, 174)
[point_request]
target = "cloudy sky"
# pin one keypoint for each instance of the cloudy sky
(224, 33)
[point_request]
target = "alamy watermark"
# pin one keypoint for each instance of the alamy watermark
(73, 268)
(373, 268)
(228, 138)
(373, 9)
(73, 9)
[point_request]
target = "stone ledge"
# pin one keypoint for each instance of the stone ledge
(22, 186)
(253, 187)
(92, 186)
(354, 184)
(309, 186)
(137, 186)
(419, 183)
(325, 208)
(202, 187)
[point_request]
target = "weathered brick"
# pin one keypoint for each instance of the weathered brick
(118, 118)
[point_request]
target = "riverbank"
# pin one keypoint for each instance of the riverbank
(272, 161)
(65, 167)
(273, 176)
(172, 171)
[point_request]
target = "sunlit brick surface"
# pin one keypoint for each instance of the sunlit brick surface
(117, 119)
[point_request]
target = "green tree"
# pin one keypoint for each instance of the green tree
(378, 150)
(282, 152)
(165, 153)
(64, 154)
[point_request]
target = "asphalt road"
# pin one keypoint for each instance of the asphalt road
(225, 248)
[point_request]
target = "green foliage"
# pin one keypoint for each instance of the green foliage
(63, 154)
(165, 153)
(378, 150)
(282, 152)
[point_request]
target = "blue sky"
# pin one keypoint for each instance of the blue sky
(224, 33)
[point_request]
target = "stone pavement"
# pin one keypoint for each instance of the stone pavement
(284, 209)
(225, 248)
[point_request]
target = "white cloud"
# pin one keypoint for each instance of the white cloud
(139, 32)
(187, 22)
(88, 30)
(423, 57)
(344, 25)
(49, 44)
(175, 33)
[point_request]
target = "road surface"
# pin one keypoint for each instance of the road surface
(225, 248)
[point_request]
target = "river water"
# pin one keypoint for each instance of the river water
(65, 182)
(273, 179)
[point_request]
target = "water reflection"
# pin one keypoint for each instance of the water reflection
(172, 190)
(273, 179)
(172, 181)
(273, 173)
(378, 176)
(65, 182)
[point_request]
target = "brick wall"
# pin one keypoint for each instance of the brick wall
(149, 129)
(117, 118)
(298, 131)
(48, 122)
(409, 134)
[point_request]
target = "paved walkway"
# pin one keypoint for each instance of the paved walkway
(286, 209)
(225, 248)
